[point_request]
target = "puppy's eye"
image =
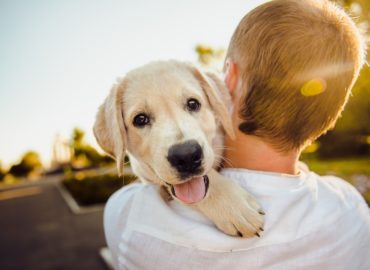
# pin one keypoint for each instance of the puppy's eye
(193, 105)
(141, 120)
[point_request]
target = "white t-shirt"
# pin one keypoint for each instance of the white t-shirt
(311, 222)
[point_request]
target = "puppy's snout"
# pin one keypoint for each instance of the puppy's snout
(186, 157)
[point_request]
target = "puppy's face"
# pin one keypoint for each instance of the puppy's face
(170, 125)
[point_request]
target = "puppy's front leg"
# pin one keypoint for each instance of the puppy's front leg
(233, 210)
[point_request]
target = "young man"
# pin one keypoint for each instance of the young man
(290, 67)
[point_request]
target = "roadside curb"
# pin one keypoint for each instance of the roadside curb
(73, 205)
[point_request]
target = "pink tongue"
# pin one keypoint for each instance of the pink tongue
(192, 191)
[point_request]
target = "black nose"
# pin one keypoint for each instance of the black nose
(186, 157)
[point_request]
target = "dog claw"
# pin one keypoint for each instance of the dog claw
(240, 234)
(261, 212)
(258, 234)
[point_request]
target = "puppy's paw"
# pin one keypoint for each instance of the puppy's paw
(232, 209)
(240, 214)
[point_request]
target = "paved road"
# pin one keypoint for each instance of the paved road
(38, 231)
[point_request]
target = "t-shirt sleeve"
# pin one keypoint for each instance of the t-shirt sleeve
(116, 212)
(347, 190)
(351, 232)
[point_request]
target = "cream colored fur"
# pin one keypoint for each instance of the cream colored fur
(161, 89)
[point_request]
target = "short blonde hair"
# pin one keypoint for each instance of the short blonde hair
(297, 60)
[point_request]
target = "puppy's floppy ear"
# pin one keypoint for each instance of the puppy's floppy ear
(109, 129)
(218, 96)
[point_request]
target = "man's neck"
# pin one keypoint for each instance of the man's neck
(250, 152)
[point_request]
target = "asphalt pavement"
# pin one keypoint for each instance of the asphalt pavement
(39, 231)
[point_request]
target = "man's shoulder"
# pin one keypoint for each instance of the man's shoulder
(126, 193)
(119, 204)
(117, 211)
(339, 200)
(340, 188)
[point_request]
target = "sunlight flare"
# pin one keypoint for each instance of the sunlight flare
(313, 87)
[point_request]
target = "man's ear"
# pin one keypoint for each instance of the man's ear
(218, 96)
(109, 129)
(231, 76)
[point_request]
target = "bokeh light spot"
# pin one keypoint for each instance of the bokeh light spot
(313, 87)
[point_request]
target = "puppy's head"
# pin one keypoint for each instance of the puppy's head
(166, 115)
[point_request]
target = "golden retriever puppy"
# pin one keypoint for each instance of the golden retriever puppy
(170, 118)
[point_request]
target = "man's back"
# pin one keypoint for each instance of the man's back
(311, 222)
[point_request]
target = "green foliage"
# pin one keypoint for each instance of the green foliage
(2, 172)
(78, 136)
(343, 168)
(29, 163)
(356, 117)
(359, 8)
(350, 137)
(84, 154)
(360, 12)
(336, 144)
(208, 56)
(88, 190)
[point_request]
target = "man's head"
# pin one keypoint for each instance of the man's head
(293, 64)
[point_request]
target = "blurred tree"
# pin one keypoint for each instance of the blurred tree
(360, 11)
(2, 172)
(350, 137)
(29, 163)
(83, 154)
(208, 56)
(77, 136)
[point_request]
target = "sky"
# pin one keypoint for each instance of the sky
(58, 59)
